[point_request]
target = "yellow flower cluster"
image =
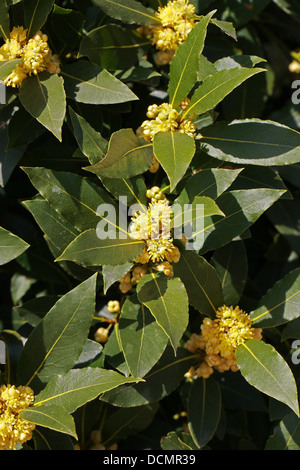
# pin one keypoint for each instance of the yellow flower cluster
(177, 19)
(13, 428)
(152, 226)
(219, 339)
(35, 54)
(163, 119)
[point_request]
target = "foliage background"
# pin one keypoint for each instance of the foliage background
(268, 252)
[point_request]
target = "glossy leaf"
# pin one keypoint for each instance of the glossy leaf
(265, 369)
(185, 64)
(167, 300)
(280, 304)
(174, 151)
(88, 83)
(252, 141)
(127, 155)
(143, 341)
(78, 386)
(90, 250)
(90, 142)
(75, 198)
(111, 274)
(201, 281)
(241, 209)
(7, 66)
(51, 416)
(286, 435)
(210, 183)
(204, 410)
(105, 46)
(160, 381)
(11, 246)
(43, 96)
(41, 357)
(179, 441)
(4, 21)
(128, 11)
(216, 87)
(35, 14)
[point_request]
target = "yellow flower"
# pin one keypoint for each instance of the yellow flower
(231, 328)
(164, 119)
(177, 20)
(35, 54)
(219, 339)
(13, 428)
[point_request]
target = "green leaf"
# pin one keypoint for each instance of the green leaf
(185, 63)
(8, 66)
(167, 300)
(174, 151)
(90, 142)
(22, 130)
(143, 341)
(78, 386)
(11, 246)
(280, 304)
(43, 96)
(210, 183)
(161, 380)
(67, 325)
(75, 198)
(232, 273)
(88, 83)
(52, 417)
(90, 250)
(112, 47)
(58, 230)
(179, 441)
(128, 11)
(265, 369)
(127, 156)
(35, 14)
(4, 21)
(215, 87)
(47, 439)
(204, 409)
(241, 209)
(226, 27)
(286, 435)
(134, 189)
(67, 25)
(112, 274)
(252, 141)
(35, 309)
(201, 281)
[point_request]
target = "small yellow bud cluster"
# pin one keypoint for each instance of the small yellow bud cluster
(164, 119)
(155, 194)
(113, 306)
(135, 275)
(35, 53)
(294, 66)
(177, 20)
(101, 335)
(13, 428)
(219, 339)
(166, 268)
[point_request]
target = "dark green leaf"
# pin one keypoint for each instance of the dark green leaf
(252, 141)
(286, 435)
(41, 357)
(11, 246)
(50, 416)
(280, 304)
(43, 96)
(201, 281)
(35, 14)
(204, 410)
(67, 24)
(167, 300)
(128, 11)
(265, 369)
